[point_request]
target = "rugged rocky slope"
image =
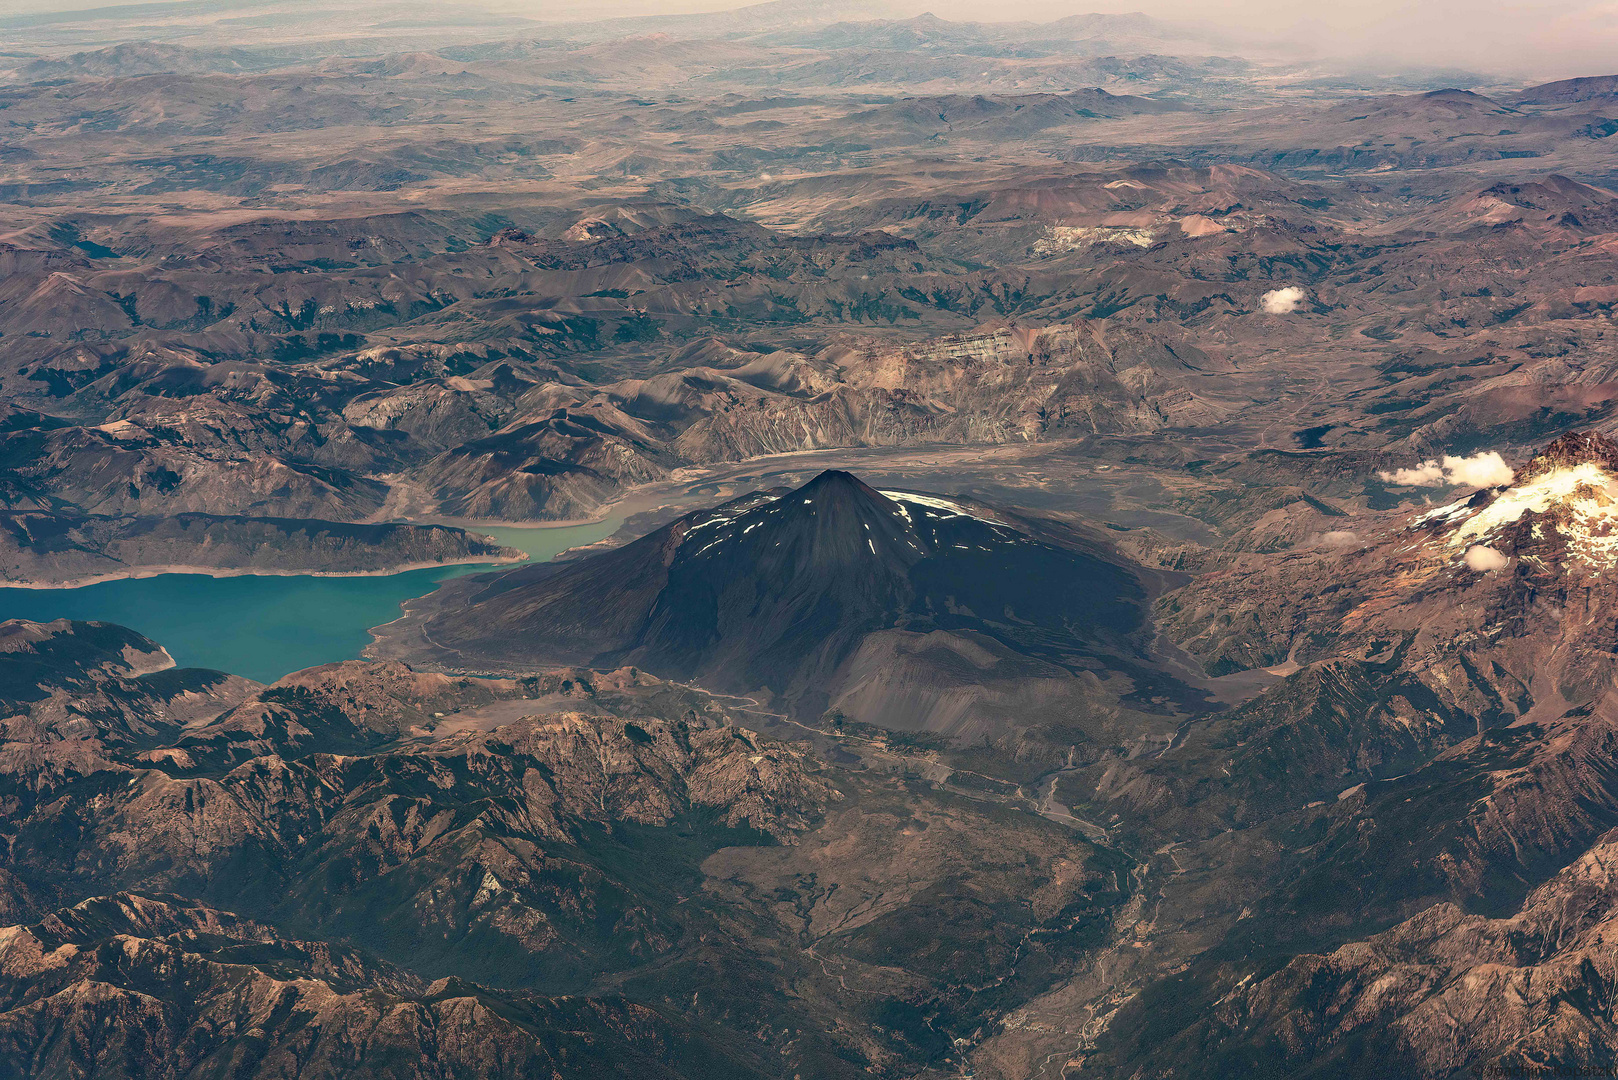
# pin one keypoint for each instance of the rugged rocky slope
(440, 362)
(1409, 826)
(1338, 805)
(1408, 635)
(92, 681)
(1442, 992)
(1417, 815)
(233, 994)
(608, 837)
(1478, 576)
(515, 440)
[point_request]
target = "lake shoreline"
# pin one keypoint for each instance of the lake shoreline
(474, 524)
(136, 573)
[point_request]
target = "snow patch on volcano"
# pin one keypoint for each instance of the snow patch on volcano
(932, 502)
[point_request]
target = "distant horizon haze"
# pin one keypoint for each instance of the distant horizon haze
(1535, 40)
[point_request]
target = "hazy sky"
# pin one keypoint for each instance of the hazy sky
(1519, 37)
(1573, 37)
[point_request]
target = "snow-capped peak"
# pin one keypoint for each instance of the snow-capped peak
(1562, 507)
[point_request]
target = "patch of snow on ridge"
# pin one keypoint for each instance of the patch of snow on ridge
(1445, 512)
(926, 500)
(932, 502)
(1586, 493)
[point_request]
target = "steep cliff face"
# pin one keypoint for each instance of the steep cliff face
(562, 449)
(1025, 383)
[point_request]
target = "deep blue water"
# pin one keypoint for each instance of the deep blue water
(266, 627)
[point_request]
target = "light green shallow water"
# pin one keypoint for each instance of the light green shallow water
(266, 627)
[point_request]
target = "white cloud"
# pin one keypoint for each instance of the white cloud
(1484, 470)
(1281, 301)
(1339, 538)
(1427, 474)
(1484, 559)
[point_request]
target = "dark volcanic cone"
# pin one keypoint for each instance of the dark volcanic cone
(792, 584)
(777, 589)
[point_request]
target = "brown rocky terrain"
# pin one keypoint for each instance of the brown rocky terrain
(91, 681)
(587, 293)
(1333, 863)
(79, 988)
(1432, 776)
(1392, 854)
(565, 833)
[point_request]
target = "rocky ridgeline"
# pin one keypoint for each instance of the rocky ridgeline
(521, 438)
(79, 984)
(1570, 451)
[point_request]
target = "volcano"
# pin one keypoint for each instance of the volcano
(778, 589)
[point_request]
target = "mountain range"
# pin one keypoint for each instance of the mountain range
(1095, 543)
(1395, 806)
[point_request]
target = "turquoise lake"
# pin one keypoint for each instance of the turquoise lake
(266, 627)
